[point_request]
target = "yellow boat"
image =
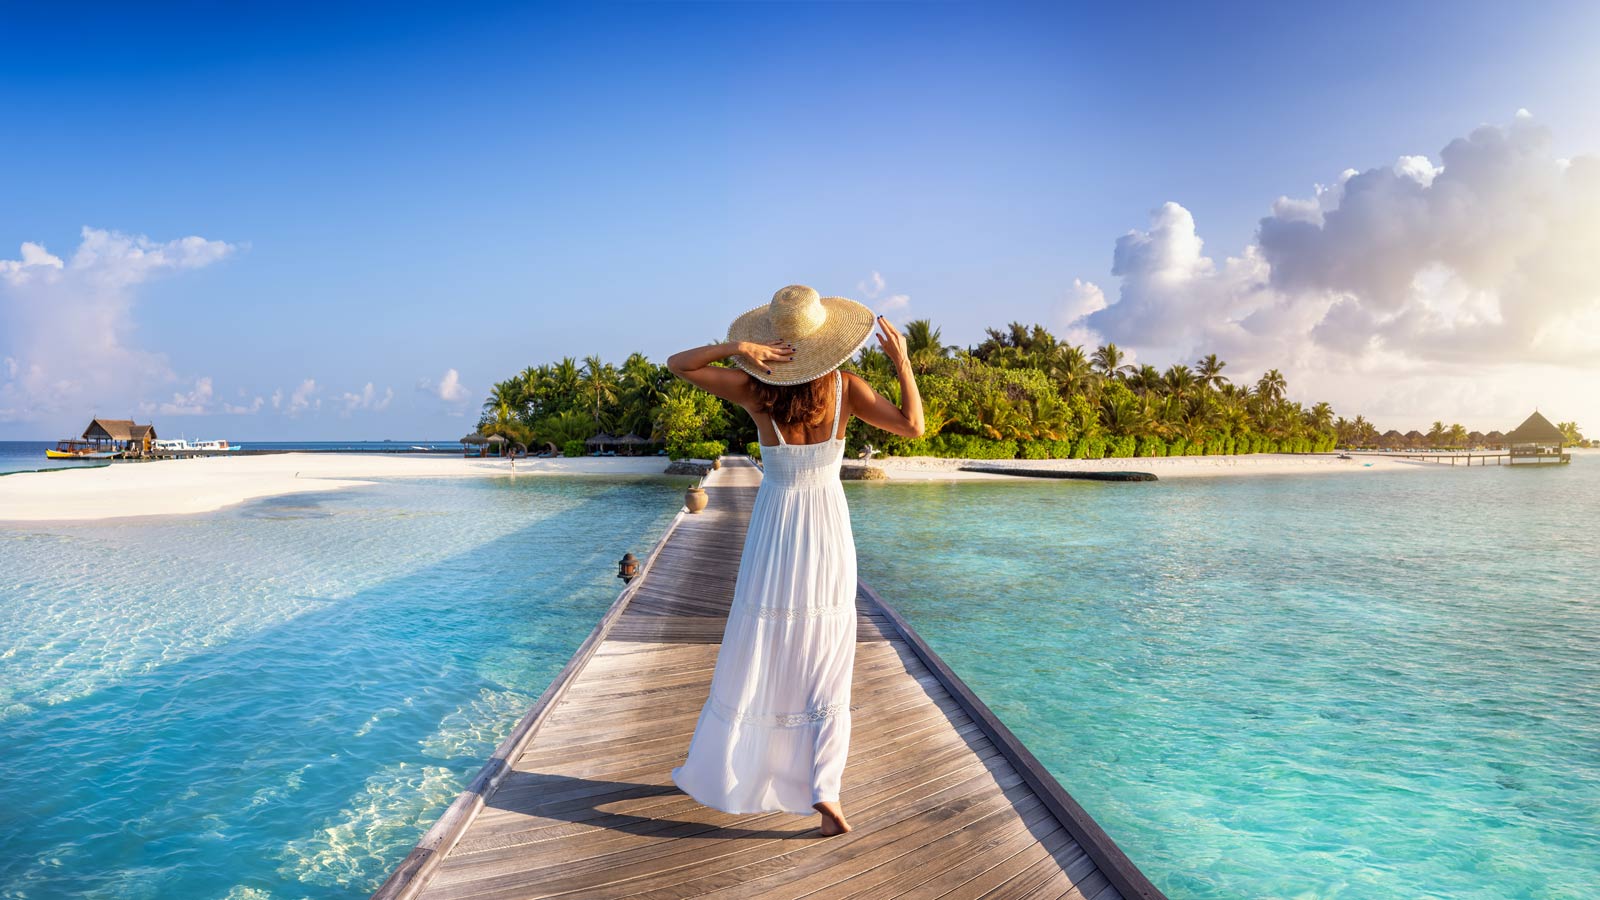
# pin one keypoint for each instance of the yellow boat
(75, 449)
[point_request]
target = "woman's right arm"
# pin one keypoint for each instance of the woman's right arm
(877, 410)
(695, 366)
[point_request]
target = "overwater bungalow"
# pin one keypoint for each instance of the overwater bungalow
(1536, 441)
(120, 435)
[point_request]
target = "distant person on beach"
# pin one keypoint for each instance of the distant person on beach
(775, 730)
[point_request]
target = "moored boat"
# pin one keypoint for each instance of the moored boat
(73, 448)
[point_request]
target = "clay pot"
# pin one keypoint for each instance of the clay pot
(695, 499)
(716, 464)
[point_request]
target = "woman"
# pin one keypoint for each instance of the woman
(773, 734)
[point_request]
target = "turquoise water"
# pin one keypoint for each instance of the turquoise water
(1382, 686)
(275, 701)
(1377, 686)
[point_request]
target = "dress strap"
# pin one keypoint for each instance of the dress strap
(838, 401)
(775, 429)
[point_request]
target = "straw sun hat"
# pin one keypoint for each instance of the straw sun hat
(825, 331)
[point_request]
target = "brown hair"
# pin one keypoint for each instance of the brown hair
(805, 403)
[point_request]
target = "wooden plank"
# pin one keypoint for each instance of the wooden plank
(578, 802)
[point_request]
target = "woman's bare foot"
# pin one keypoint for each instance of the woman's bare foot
(832, 818)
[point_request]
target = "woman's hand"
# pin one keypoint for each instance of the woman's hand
(893, 344)
(765, 355)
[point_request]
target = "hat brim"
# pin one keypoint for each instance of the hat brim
(846, 328)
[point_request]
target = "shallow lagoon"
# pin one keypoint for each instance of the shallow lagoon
(1374, 686)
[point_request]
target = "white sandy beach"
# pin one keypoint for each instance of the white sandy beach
(172, 487)
(929, 468)
(167, 487)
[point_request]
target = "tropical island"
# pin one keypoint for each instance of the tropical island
(1021, 393)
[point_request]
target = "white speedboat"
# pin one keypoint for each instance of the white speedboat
(216, 445)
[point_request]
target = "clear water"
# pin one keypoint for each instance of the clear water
(28, 456)
(276, 700)
(1378, 686)
(1381, 686)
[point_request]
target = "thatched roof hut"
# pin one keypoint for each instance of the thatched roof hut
(601, 441)
(1415, 438)
(1392, 438)
(1536, 430)
(1475, 438)
(474, 438)
(1495, 439)
(1537, 441)
(121, 434)
(631, 442)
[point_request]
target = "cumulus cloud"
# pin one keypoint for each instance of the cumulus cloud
(872, 291)
(303, 398)
(66, 324)
(1416, 269)
(244, 409)
(367, 399)
(448, 388)
(195, 402)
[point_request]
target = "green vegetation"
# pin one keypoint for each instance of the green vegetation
(1021, 392)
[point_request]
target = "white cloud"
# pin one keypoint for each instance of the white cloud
(1479, 269)
(66, 325)
(244, 409)
(195, 402)
(448, 388)
(1085, 299)
(873, 287)
(303, 398)
(367, 399)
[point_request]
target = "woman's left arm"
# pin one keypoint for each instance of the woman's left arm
(695, 366)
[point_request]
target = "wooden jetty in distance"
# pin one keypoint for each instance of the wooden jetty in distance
(578, 801)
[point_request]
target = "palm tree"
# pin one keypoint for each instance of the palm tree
(504, 397)
(1437, 434)
(1321, 417)
(1211, 371)
(1272, 386)
(1179, 381)
(1146, 380)
(923, 346)
(1457, 435)
(598, 382)
(1108, 361)
(1069, 368)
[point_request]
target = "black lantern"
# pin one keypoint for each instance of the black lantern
(627, 568)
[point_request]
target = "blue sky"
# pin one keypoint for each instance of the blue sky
(383, 195)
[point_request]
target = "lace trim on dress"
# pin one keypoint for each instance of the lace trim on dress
(779, 720)
(799, 612)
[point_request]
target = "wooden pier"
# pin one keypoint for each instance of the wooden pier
(1473, 457)
(577, 802)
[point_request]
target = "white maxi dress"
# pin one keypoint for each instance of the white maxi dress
(774, 732)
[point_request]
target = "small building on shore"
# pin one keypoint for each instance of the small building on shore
(122, 435)
(1536, 440)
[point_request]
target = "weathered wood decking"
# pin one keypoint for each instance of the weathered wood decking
(578, 801)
